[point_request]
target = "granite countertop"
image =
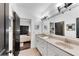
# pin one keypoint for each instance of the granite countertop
(67, 47)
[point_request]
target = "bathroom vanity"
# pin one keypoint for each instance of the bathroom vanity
(54, 45)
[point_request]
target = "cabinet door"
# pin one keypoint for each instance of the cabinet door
(38, 44)
(51, 50)
(38, 41)
(41, 46)
(44, 47)
(54, 51)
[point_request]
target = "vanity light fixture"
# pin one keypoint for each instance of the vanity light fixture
(45, 17)
(59, 6)
(64, 5)
(67, 4)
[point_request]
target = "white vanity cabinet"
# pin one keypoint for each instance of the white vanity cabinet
(48, 49)
(54, 51)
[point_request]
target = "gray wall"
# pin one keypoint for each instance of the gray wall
(1, 26)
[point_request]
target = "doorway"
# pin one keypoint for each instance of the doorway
(25, 38)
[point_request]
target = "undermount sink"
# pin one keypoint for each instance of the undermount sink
(65, 45)
(45, 37)
(42, 35)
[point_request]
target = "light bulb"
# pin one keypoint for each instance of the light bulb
(59, 4)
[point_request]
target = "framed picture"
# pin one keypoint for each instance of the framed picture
(45, 27)
(36, 27)
(70, 27)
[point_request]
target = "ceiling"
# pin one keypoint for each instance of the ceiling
(31, 10)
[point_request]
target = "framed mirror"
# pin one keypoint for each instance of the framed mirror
(70, 27)
(52, 27)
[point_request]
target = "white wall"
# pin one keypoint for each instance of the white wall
(69, 17)
(10, 30)
(34, 31)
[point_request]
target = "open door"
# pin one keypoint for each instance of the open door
(16, 34)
